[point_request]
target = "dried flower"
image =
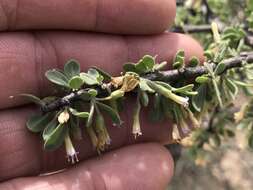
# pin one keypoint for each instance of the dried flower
(193, 119)
(130, 82)
(176, 137)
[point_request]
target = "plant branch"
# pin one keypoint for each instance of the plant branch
(206, 28)
(165, 76)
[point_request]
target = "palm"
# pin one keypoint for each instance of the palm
(26, 55)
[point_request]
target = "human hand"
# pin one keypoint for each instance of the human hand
(26, 55)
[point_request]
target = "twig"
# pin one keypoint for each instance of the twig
(209, 12)
(165, 76)
(207, 28)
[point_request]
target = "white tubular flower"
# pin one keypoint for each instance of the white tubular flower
(184, 101)
(169, 94)
(136, 123)
(70, 150)
(63, 117)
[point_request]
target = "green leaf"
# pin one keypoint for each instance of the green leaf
(93, 92)
(74, 129)
(76, 82)
(49, 128)
(57, 77)
(202, 79)
(56, 138)
(38, 123)
(111, 112)
(209, 55)
(198, 101)
(89, 79)
(194, 61)
(146, 64)
(160, 66)
(72, 68)
(96, 75)
(156, 113)
(167, 108)
(164, 84)
(179, 60)
(184, 89)
(250, 140)
(79, 114)
(217, 92)
(244, 84)
(106, 75)
(33, 99)
(91, 115)
(86, 96)
(231, 86)
(220, 68)
(144, 99)
(129, 67)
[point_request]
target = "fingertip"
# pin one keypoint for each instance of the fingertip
(145, 166)
(191, 47)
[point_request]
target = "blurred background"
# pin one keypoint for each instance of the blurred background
(221, 158)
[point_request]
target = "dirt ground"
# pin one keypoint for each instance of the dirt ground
(230, 168)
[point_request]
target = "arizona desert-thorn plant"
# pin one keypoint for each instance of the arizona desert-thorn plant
(189, 95)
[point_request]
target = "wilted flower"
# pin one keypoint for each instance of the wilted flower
(70, 150)
(130, 82)
(176, 137)
(193, 119)
(184, 127)
(102, 133)
(93, 136)
(238, 116)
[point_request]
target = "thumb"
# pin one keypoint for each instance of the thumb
(144, 166)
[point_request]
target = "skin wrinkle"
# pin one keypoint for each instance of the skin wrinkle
(15, 17)
(38, 48)
(97, 13)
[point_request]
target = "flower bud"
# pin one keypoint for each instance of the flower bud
(63, 117)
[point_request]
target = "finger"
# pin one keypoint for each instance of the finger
(22, 152)
(111, 16)
(144, 166)
(24, 58)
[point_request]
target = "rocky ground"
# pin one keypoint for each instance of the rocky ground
(230, 168)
